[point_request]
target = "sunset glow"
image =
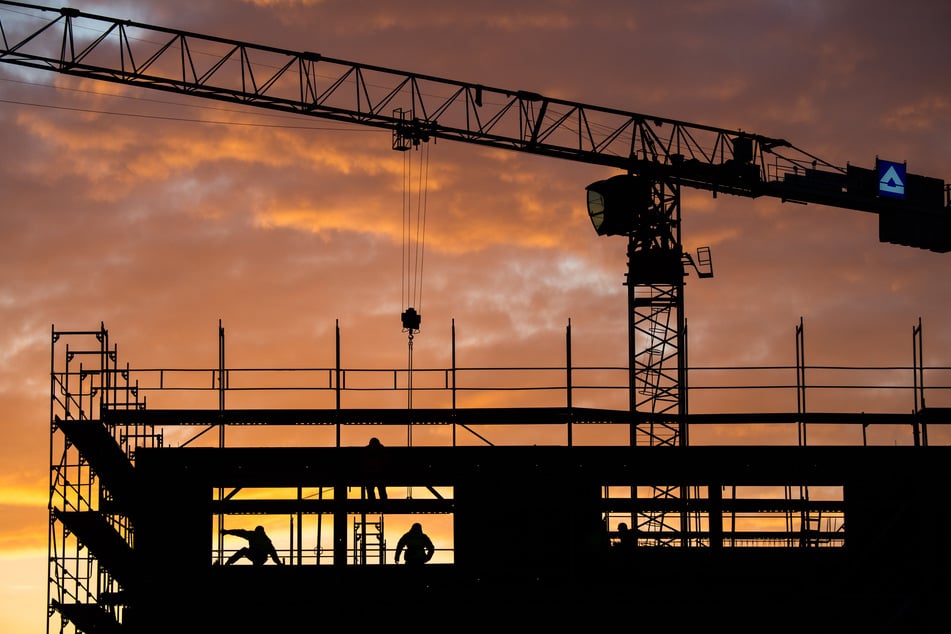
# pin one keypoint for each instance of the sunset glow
(163, 216)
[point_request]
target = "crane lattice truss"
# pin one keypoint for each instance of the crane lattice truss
(417, 107)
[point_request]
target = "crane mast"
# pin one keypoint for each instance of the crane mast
(657, 156)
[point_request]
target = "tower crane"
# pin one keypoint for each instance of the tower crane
(656, 156)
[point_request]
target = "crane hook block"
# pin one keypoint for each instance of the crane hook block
(411, 319)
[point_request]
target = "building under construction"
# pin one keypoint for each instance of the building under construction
(526, 534)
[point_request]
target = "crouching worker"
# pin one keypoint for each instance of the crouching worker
(419, 548)
(259, 547)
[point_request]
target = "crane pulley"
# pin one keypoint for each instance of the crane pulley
(414, 237)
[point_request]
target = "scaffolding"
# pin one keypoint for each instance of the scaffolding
(770, 499)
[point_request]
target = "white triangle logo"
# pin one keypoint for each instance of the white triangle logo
(891, 183)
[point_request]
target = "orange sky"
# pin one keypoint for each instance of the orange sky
(160, 214)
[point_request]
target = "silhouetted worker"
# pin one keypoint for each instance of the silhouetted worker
(374, 463)
(626, 539)
(259, 546)
(419, 548)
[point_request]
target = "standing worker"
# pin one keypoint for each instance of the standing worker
(374, 486)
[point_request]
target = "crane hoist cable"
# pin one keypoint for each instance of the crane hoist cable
(414, 242)
(414, 238)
